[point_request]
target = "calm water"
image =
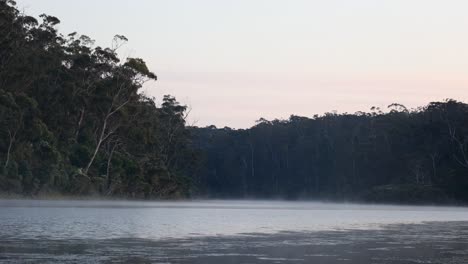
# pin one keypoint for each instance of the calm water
(175, 232)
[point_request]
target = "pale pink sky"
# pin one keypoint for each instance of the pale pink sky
(236, 61)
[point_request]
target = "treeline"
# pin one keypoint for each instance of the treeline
(72, 120)
(402, 155)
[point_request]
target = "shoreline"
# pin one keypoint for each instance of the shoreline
(61, 197)
(296, 205)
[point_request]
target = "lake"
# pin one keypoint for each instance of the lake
(229, 232)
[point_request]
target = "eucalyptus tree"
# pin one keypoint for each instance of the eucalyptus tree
(71, 117)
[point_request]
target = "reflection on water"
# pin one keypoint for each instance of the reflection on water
(229, 232)
(434, 242)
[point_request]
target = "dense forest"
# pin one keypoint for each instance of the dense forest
(72, 119)
(418, 155)
(74, 122)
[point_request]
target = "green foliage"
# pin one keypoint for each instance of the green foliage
(72, 120)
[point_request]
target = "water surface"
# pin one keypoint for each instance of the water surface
(229, 232)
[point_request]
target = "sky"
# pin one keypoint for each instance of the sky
(233, 62)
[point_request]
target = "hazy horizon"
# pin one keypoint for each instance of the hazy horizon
(234, 62)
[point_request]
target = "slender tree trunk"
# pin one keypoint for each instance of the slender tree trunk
(354, 170)
(244, 177)
(80, 121)
(434, 168)
(10, 145)
(252, 161)
(109, 163)
(103, 135)
(460, 145)
(98, 146)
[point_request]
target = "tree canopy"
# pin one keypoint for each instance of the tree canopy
(73, 120)
(402, 155)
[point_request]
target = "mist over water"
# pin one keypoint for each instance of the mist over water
(349, 103)
(160, 220)
(216, 231)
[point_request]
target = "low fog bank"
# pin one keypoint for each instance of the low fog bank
(245, 204)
